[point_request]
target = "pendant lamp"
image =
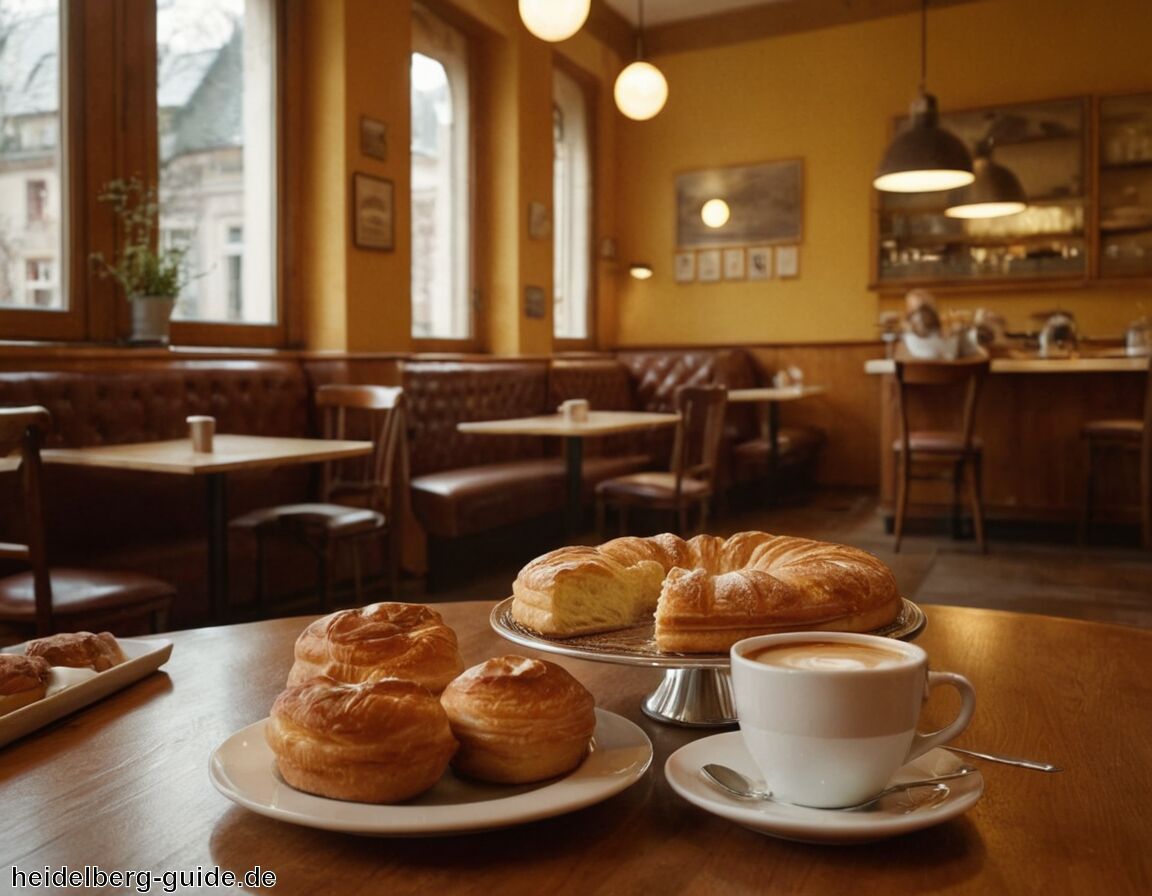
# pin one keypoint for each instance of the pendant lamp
(641, 89)
(924, 157)
(995, 193)
(554, 20)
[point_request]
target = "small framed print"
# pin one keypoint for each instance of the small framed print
(372, 212)
(733, 264)
(685, 267)
(539, 221)
(787, 261)
(534, 301)
(373, 138)
(708, 266)
(759, 263)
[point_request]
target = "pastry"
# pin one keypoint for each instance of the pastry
(519, 720)
(23, 680)
(706, 593)
(79, 650)
(383, 640)
(373, 742)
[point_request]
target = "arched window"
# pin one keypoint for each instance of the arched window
(441, 188)
(572, 204)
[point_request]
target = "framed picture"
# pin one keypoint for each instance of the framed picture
(373, 138)
(759, 263)
(787, 261)
(708, 266)
(372, 212)
(685, 267)
(765, 205)
(733, 264)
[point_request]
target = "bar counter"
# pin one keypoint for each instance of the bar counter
(124, 784)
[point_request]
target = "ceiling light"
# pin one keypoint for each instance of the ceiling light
(715, 213)
(641, 89)
(640, 270)
(924, 157)
(554, 20)
(995, 193)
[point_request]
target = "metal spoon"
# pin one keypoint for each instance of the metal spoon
(735, 784)
(1008, 760)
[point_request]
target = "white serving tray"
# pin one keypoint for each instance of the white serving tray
(73, 689)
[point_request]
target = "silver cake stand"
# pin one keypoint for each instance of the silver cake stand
(696, 691)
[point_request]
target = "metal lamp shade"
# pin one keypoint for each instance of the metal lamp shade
(924, 158)
(994, 193)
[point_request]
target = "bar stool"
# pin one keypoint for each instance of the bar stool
(1126, 435)
(954, 452)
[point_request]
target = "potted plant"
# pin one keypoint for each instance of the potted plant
(151, 275)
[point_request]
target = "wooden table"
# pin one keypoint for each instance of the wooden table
(124, 784)
(574, 432)
(229, 453)
(769, 399)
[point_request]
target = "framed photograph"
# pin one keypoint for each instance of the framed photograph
(539, 221)
(372, 212)
(373, 138)
(787, 261)
(685, 267)
(759, 263)
(765, 205)
(534, 301)
(733, 264)
(708, 266)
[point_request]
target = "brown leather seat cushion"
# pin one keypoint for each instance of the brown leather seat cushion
(333, 519)
(1125, 429)
(652, 487)
(938, 442)
(96, 590)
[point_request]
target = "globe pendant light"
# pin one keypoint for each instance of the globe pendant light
(995, 193)
(554, 20)
(641, 89)
(924, 157)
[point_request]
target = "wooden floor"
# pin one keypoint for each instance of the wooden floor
(1033, 572)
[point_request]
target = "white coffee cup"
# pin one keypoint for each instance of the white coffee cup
(574, 410)
(201, 429)
(830, 717)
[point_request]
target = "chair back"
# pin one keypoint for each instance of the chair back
(959, 381)
(698, 433)
(21, 435)
(372, 413)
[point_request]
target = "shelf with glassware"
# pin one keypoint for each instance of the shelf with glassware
(1045, 144)
(1125, 185)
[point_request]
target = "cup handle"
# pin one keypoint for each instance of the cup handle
(922, 743)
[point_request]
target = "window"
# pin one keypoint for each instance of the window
(441, 191)
(30, 160)
(572, 209)
(213, 99)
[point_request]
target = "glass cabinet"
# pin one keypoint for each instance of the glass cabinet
(1125, 152)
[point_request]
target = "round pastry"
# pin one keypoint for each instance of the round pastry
(79, 650)
(519, 720)
(706, 593)
(384, 640)
(23, 680)
(374, 742)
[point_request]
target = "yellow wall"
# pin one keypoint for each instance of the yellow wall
(828, 97)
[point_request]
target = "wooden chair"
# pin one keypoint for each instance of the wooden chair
(953, 452)
(358, 497)
(691, 480)
(1109, 437)
(44, 600)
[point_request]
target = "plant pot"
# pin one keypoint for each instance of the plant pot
(151, 318)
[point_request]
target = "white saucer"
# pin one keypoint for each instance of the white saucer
(897, 814)
(244, 770)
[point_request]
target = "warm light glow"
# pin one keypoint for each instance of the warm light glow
(985, 210)
(715, 213)
(641, 91)
(554, 20)
(640, 271)
(926, 181)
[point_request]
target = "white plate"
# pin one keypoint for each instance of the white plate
(897, 814)
(244, 770)
(73, 689)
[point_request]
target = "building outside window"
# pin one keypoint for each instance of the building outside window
(441, 188)
(572, 209)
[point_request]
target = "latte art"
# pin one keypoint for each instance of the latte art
(830, 656)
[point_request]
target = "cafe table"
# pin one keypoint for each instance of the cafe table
(230, 453)
(769, 399)
(574, 432)
(124, 784)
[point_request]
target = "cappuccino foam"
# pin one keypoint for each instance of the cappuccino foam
(831, 656)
